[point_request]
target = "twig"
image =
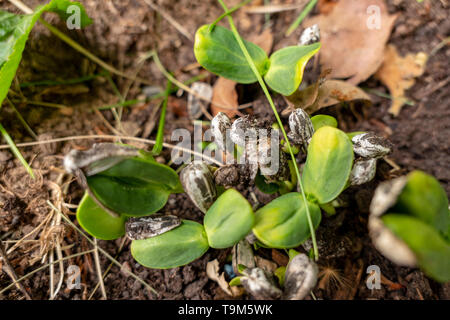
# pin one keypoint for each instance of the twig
(10, 271)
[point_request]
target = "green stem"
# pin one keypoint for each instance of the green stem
(227, 13)
(157, 148)
(272, 105)
(16, 151)
(300, 18)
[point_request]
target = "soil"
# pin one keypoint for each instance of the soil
(122, 32)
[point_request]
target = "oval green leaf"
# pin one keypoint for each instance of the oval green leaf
(128, 197)
(145, 171)
(322, 120)
(431, 250)
(219, 52)
(97, 222)
(172, 249)
(424, 198)
(328, 165)
(228, 220)
(286, 67)
(283, 223)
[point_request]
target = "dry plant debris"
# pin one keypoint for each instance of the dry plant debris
(398, 74)
(353, 44)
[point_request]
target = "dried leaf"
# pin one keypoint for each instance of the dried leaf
(353, 36)
(212, 271)
(330, 92)
(398, 74)
(224, 93)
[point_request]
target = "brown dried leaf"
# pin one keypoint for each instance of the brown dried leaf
(212, 271)
(349, 47)
(398, 74)
(224, 93)
(330, 92)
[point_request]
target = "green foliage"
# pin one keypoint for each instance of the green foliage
(322, 120)
(328, 165)
(172, 249)
(135, 186)
(14, 32)
(431, 250)
(97, 222)
(282, 223)
(228, 220)
(286, 67)
(218, 51)
(424, 198)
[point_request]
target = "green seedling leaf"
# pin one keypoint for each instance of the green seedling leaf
(292, 253)
(135, 186)
(219, 52)
(236, 281)
(322, 120)
(350, 135)
(97, 222)
(328, 165)
(286, 67)
(431, 250)
(283, 223)
(145, 171)
(14, 32)
(424, 198)
(280, 274)
(265, 187)
(172, 249)
(228, 220)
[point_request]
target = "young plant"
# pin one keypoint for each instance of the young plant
(410, 223)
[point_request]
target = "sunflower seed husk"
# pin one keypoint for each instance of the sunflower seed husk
(243, 255)
(260, 284)
(370, 145)
(301, 127)
(100, 157)
(300, 278)
(310, 35)
(198, 183)
(363, 171)
(244, 129)
(151, 226)
(196, 105)
(220, 129)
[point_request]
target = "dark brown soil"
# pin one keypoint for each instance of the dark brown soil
(124, 30)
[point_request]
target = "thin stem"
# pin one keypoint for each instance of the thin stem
(272, 105)
(300, 18)
(22, 120)
(227, 13)
(157, 148)
(16, 151)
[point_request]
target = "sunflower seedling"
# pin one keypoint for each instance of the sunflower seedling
(409, 223)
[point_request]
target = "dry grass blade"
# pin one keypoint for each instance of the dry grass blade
(117, 263)
(10, 271)
(42, 268)
(99, 270)
(110, 137)
(171, 20)
(274, 8)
